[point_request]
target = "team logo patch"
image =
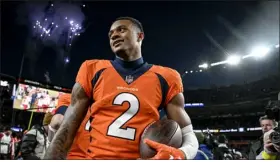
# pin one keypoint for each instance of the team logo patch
(129, 79)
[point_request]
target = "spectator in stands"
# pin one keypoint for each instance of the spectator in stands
(5, 144)
(222, 152)
(257, 147)
(237, 155)
(204, 152)
(34, 143)
(16, 143)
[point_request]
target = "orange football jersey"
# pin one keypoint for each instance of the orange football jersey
(63, 100)
(124, 104)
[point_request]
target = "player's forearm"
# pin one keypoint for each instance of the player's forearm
(63, 138)
(74, 115)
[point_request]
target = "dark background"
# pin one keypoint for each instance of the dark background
(175, 37)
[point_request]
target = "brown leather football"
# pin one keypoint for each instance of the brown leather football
(163, 131)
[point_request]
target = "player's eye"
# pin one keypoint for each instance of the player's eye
(122, 29)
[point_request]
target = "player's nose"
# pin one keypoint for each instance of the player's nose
(115, 36)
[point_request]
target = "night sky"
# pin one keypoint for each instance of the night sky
(174, 37)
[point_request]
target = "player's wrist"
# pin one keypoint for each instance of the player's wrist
(190, 143)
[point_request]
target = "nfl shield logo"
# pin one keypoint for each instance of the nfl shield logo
(129, 79)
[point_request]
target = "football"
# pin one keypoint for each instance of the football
(165, 131)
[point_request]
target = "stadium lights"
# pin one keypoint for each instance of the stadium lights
(218, 63)
(204, 66)
(233, 60)
(67, 60)
(258, 52)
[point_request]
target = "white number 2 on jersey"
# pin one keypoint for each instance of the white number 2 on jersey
(115, 129)
(87, 125)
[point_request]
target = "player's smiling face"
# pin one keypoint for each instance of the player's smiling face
(123, 36)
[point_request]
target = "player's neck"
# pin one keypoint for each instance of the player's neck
(129, 55)
(129, 64)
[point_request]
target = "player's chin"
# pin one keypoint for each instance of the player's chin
(118, 50)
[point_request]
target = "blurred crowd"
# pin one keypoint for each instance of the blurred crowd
(234, 93)
(29, 144)
(226, 122)
(10, 142)
(218, 148)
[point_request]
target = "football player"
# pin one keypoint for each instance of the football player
(125, 96)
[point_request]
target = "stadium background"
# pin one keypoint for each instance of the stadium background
(233, 95)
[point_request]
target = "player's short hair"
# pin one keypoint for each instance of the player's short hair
(134, 21)
(274, 123)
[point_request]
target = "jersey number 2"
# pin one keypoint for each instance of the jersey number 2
(115, 129)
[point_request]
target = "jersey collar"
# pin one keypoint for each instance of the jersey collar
(129, 64)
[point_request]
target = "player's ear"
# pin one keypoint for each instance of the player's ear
(140, 36)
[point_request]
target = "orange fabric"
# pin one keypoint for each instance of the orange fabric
(63, 100)
(122, 111)
(87, 72)
(173, 79)
(165, 152)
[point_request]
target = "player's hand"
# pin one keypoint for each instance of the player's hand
(165, 152)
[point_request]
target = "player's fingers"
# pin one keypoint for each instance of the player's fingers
(154, 158)
(152, 144)
(161, 156)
